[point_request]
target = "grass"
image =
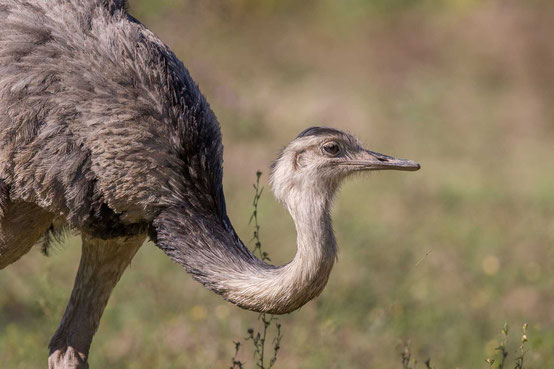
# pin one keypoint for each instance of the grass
(463, 89)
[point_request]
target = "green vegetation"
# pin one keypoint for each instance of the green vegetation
(260, 339)
(441, 257)
(500, 360)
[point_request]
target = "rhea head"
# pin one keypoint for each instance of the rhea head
(315, 162)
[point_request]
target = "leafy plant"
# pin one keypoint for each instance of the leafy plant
(500, 362)
(503, 351)
(259, 338)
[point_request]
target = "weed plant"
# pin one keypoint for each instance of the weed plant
(499, 361)
(259, 338)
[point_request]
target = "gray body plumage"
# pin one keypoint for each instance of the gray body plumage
(98, 115)
(102, 130)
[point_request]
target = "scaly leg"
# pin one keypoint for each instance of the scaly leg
(102, 264)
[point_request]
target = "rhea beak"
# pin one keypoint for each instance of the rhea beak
(370, 160)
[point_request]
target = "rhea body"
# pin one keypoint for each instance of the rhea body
(103, 131)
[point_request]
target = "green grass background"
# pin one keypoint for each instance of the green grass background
(441, 257)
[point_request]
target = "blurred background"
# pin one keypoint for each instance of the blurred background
(441, 257)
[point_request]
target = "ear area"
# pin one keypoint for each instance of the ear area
(299, 159)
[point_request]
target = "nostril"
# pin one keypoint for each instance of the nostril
(382, 159)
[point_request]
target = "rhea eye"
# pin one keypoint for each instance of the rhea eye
(331, 149)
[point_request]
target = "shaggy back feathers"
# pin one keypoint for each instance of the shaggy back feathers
(98, 116)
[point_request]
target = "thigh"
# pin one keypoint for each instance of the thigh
(22, 224)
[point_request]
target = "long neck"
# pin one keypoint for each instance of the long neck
(208, 248)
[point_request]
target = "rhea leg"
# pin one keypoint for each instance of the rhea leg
(21, 226)
(102, 264)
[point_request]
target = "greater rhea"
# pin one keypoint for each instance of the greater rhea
(102, 130)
